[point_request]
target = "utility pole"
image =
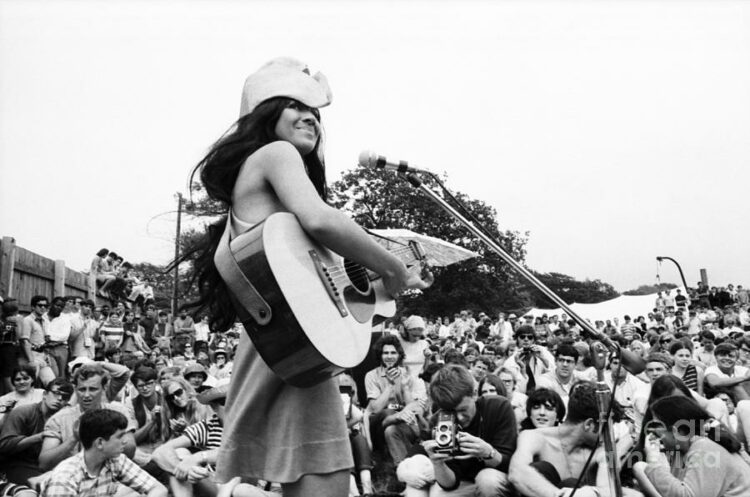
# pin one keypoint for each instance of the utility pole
(176, 283)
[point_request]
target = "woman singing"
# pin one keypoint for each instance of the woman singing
(271, 161)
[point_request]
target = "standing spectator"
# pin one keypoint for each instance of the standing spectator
(23, 432)
(132, 341)
(33, 340)
(83, 339)
(148, 322)
(163, 332)
(184, 332)
(58, 334)
(102, 466)
(10, 345)
(202, 333)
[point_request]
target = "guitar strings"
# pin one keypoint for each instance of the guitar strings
(359, 274)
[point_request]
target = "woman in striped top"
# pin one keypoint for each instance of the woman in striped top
(684, 367)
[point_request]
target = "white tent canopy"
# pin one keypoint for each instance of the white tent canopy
(631, 305)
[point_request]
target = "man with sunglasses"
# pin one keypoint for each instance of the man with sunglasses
(191, 457)
(23, 432)
(34, 328)
(531, 360)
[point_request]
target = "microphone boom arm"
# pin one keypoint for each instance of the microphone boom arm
(630, 360)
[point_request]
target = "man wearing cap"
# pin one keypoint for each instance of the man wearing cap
(221, 367)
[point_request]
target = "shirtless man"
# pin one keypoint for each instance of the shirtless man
(549, 460)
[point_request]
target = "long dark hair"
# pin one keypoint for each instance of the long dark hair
(218, 173)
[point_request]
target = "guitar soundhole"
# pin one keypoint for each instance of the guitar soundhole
(357, 276)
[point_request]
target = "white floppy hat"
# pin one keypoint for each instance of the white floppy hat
(285, 77)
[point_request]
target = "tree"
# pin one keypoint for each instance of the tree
(378, 200)
(650, 289)
(570, 290)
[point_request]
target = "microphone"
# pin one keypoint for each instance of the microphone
(370, 159)
(629, 359)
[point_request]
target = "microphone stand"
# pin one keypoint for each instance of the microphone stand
(599, 354)
(492, 244)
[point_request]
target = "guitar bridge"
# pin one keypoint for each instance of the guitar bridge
(328, 284)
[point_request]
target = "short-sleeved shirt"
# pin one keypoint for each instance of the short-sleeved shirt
(205, 434)
(739, 371)
(71, 478)
(376, 382)
(61, 424)
(34, 328)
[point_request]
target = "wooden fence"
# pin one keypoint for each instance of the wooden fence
(24, 274)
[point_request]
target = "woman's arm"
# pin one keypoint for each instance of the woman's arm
(284, 170)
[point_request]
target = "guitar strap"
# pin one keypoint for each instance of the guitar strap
(244, 291)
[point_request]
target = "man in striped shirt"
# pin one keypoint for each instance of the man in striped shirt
(191, 457)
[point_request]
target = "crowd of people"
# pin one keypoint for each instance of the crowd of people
(456, 406)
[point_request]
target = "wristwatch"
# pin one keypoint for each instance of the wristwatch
(491, 456)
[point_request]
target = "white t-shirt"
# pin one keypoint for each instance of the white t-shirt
(739, 371)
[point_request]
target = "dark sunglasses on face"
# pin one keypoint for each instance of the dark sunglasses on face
(176, 393)
(44, 306)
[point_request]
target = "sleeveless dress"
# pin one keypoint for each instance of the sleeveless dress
(274, 431)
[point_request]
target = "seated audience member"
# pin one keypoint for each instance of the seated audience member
(93, 389)
(492, 385)
(11, 324)
(190, 458)
(486, 440)
(727, 374)
(682, 355)
(221, 367)
(705, 353)
(562, 377)
(23, 432)
(145, 407)
(516, 398)
(530, 360)
(196, 375)
(549, 459)
(111, 332)
(395, 400)
(628, 388)
(179, 408)
(355, 423)
(163, 332)
(101, 468)
(729, 401)
(544, 408)
(689, 453)
(23, 392)
(482, 365)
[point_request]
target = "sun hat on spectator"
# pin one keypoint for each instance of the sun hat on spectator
(77, 362)
(220, 351)
(414, 322)
(195, 369)
(512, 316)
(285, 77)
(217, 392)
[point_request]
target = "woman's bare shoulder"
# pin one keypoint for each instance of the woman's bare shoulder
(279, 151)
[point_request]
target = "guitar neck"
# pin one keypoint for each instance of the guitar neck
(409, 255)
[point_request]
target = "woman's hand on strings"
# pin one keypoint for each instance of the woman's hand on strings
(414, 278)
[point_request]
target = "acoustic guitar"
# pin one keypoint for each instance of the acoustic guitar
(322, 306)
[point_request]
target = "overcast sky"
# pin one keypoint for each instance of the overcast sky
(612, 131)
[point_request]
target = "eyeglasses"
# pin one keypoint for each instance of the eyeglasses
(148, 384)
(61, 395)
(176, 393)
(526, 337)
(44, 306)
